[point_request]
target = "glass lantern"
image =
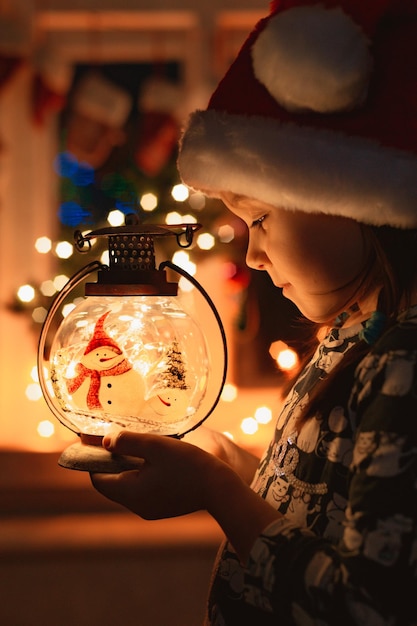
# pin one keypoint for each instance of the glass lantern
(128, 355)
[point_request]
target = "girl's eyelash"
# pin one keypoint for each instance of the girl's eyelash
(258, 222)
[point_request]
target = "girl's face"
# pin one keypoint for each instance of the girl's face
(317, 260)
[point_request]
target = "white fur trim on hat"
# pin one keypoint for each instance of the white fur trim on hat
(299, 168)
(311, 58)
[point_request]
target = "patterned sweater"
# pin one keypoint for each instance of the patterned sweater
(346, 551)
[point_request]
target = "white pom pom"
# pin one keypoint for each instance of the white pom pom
(311, 58)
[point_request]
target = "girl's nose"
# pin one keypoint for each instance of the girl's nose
(256, 258)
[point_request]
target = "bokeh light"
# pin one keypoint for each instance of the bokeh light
(180, 192)
(26, 293)
(249, 425)
(206, 241)
(149, 202)
(43, 245)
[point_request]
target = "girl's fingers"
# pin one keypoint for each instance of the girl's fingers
(132, 444)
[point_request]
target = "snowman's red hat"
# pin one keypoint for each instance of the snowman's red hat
(100, 338)
(318, 113)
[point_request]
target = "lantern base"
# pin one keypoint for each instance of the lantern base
(93, 458)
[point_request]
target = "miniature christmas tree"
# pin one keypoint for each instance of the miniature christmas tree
(174, 375)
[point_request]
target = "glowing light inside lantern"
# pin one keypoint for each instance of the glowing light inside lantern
(151, 355)
(67, 308)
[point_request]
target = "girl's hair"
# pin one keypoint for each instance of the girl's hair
(393, 266)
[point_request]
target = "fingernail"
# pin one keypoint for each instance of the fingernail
(107, 442)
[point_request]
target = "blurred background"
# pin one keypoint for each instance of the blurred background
(93, 95)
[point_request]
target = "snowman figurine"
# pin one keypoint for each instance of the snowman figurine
(170, 398)
(105, 380)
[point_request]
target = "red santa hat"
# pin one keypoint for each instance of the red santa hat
(317, 113)
(100, 338)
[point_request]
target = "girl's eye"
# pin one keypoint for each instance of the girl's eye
(257, 223)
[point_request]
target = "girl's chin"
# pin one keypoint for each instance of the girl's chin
(313, 311)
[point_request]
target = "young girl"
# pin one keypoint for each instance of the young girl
(311, 139)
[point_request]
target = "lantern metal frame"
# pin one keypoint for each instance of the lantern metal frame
(131, 271)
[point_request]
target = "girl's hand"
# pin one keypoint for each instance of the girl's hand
(242, 461)
(174, 479)
(178, 478)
